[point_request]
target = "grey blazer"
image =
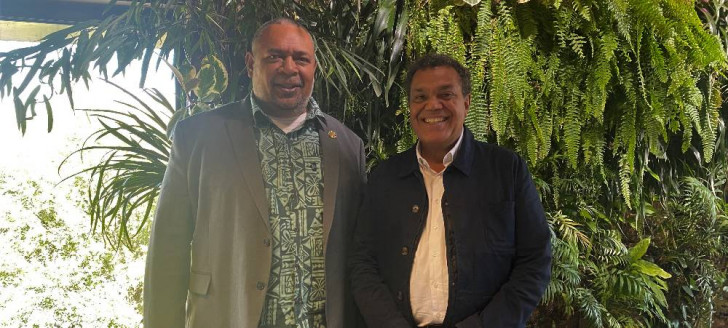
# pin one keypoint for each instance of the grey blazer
(209, 256)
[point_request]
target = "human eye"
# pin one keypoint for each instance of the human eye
(303, 60)
(447, 95)
(418, 98)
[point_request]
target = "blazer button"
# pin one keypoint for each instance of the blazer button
(415, 208)
(260, 285)
(266, 242)
(404, 251)
(400, 297)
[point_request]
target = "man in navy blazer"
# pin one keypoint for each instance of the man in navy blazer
(451, 232)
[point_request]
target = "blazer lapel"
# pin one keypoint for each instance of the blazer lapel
(330, 154)
(242, 138)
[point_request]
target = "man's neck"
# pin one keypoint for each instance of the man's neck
(434, 157)
(438, 157)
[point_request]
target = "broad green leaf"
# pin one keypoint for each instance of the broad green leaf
(206, 85)
(639, 250)
(651, 269)
(221, 74)
(188, 73)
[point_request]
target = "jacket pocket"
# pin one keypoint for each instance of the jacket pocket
(199, 283)
(499, 227)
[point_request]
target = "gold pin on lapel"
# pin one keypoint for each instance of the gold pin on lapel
(332, 134)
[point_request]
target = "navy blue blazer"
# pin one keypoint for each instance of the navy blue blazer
(498, 240)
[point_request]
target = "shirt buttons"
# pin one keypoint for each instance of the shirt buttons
(415, 208)
(260, 285)
(266, 242)
(404, 251)
(400, 297)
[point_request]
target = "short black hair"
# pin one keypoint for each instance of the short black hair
(275, 21)
(438, 60)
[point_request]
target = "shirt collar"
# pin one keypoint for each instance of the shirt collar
(449, 156)
(259, 116)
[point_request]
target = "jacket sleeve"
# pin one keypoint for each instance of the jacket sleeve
(373, 297)
(531, 270)
(166, 277)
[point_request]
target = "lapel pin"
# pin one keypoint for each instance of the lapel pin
(332, 134)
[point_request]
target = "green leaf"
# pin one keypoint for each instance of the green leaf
(148, 52)
(31, 100)
(206, 83)
(639, 250)
(651, 269)
(185, 75)
(385, 17)
(49, 112)
(33, 70)
(65, 62)
(653, 174)
(221, 74)
(20, 111)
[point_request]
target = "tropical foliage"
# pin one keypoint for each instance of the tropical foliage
(616, 104)
(134, 145)
(210, 40)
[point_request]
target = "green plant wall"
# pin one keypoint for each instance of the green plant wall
(616, 105)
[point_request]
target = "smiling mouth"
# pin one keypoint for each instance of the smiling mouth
(288, 87)
(434, 119)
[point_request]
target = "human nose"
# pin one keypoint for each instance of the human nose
(433, 104)
(289, 65)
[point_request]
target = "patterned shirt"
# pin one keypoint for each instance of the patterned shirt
(293, 178)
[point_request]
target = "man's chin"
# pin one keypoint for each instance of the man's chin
(289, 105)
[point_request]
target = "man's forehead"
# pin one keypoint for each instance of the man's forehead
(438, 77)
(278, 33)
(443, 85)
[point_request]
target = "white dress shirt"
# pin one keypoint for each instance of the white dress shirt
(429, 279)
(288, 124)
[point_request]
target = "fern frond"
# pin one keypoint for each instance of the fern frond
(600, 75)
(590, 307)
(572, 127)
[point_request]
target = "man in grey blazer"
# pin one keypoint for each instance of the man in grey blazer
(255, 214)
